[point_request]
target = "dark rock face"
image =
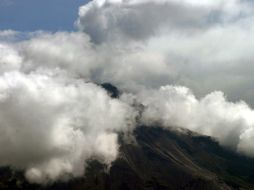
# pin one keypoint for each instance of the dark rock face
(159, 160)
(112, 90)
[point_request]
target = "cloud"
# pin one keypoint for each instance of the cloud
(70, 51)
(54, 116)
(9, 58)
(76, 54)
(113, 20)
(203, 45)
(232, 124)
(53, 124)
(140, 20)
(7, 33)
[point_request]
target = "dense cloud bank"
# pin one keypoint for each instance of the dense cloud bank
(51, 124)
(230, 123)
(54, 117)
(107, 20)
(205, 45)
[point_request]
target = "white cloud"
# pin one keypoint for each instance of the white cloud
(9, 58)
(232, 124)
(7, 33)
(51, 125)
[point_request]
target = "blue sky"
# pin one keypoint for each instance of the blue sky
(31, 15)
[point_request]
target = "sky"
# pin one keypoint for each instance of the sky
(190, 65)
(31, 15)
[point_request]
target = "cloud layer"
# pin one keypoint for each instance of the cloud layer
(54, 117)
(203, 45)
(107, 20)
(230, 123)
(51, 124)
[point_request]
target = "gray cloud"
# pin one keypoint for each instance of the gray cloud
(140, 20)
(203, 45)
(135, 21)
